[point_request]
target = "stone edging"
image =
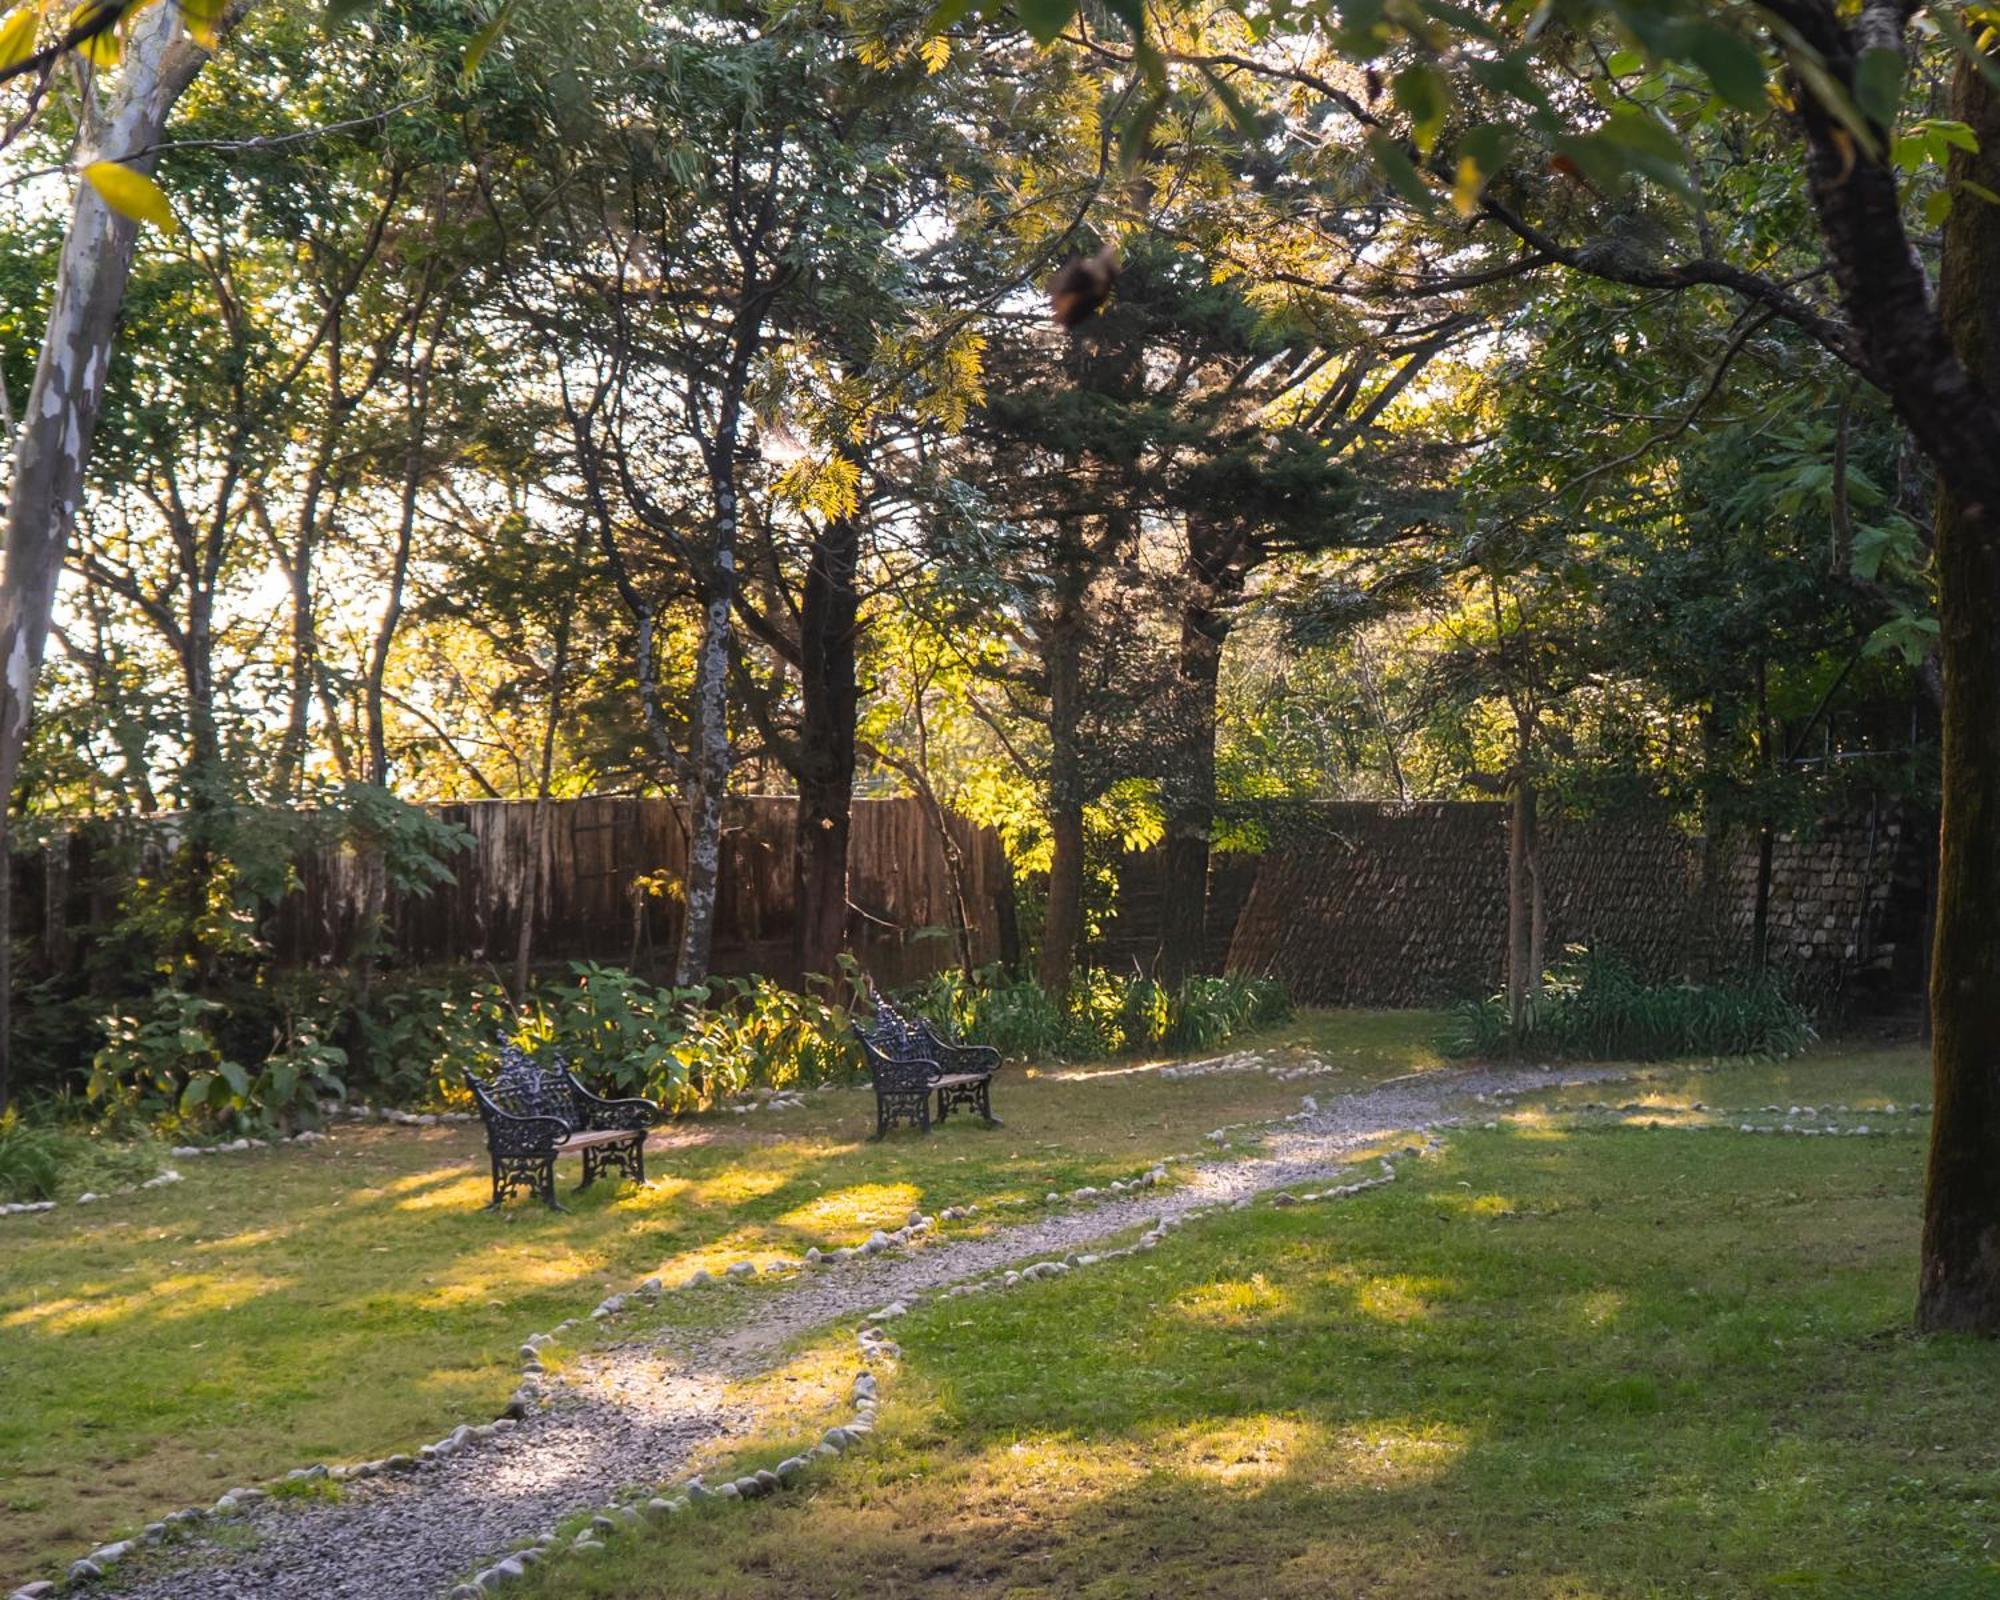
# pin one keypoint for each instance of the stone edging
(1247, 1061)
(875, 1346)
(528, 1394)
(24, 1207)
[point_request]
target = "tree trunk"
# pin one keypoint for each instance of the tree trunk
(711, 752)
(59, 415)
(1062, 923)
(1520, 915)
(538, 849)
(1188, 786)
(829, 709)
(1960, 1281)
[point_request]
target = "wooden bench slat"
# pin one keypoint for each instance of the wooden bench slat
(577, 1141)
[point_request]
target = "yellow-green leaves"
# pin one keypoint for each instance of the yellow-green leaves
(95, 23)
(17, 36)
(1425, 97)
(131, 194)
(831, 487)
(203, 20)
(482, 41)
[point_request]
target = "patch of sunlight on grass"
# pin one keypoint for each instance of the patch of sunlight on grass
(411, 1182)
(1397, 1454)
(249, 1239)
(1399, 1297)
(1240, 1449)
(469, 1191)
(734, 1185)
(1601, 1307)
(1064, 1461)
(1481, 1205)
(168, 1299)
(862, 1205)
(1239, 1304)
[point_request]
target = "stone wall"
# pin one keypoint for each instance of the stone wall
(1393, 905)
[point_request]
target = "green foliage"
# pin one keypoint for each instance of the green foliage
(43, 1160)
(1594, 1007)
(1102, 1014)
(684, 1047)
(163, 1062)
(31, 1160)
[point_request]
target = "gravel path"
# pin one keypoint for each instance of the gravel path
(633, 1413)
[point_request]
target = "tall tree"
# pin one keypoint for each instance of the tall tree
(58, 415)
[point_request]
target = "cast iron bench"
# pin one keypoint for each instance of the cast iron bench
(533, 1114)
(909, 1063)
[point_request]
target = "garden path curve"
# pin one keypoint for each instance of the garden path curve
(634, 1413)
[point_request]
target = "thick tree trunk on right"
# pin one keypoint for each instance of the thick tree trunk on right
(1960, 1282)
(59, 414)
(1936, 361)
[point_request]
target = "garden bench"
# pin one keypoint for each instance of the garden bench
(910, 1062)
(533, 1114)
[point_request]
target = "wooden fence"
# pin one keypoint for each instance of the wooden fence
(607, 890)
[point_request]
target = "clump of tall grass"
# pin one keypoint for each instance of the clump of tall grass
(1102, 1014)
(43, 1159)
(1594, 1007)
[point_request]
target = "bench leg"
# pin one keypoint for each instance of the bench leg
(536, 1174)
(986, 1106)
(628, 1158)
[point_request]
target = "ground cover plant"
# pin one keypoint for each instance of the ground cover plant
(1572, 1357)
(1595, 1007)
(350, 1297)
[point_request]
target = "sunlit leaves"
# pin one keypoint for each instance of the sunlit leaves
(95, 23)
(203, 21)
(17, 36)
(829, 487)
(131, 193)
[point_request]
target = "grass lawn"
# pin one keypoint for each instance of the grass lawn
(350, 1299)
(1567, 1358)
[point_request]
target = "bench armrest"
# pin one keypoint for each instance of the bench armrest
(954, 1057)
(516, 1135)
(634, 1114)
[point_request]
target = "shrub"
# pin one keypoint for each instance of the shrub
(41, 1159)
(31, 1160)
(1594, 1007)
(1102, 1014)
(622, 1034)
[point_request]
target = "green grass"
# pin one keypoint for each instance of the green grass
(1568, 1359)
(351, 1299)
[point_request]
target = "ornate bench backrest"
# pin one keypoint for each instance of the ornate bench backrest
(896, 1060)
(523, 1089)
